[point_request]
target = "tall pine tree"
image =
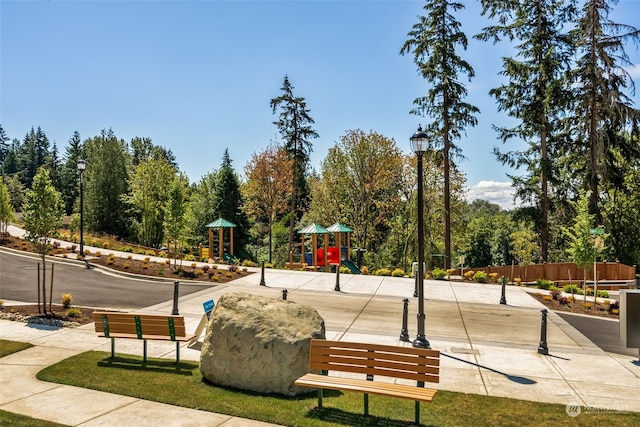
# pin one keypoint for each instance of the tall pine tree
(294, 124)
(433, 42)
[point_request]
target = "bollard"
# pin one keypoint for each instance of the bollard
(542, 347)
(284, 294)
(415, 287)
(503, 299)
(176, 284)
(337, 287)
(404, 333)
(262, 282)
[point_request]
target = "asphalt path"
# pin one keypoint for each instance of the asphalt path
(89, 287)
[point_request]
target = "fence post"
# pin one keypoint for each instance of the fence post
(404, 332)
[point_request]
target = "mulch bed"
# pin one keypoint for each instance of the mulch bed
(577, 306)
(58, 316)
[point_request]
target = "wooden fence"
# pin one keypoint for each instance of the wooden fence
(561, 272)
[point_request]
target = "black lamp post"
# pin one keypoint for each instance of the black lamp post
(81, 167)
(419, 145)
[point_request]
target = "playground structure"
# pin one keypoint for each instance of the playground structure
(326, 256)
(219, 224)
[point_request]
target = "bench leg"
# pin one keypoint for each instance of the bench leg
(417, 413)
(177, 352)
(144, 353)
(366, 404)
(319, 398)
(113, 348)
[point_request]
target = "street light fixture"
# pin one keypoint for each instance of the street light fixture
(81, 167)
(419, 145)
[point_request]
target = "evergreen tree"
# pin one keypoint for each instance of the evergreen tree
(604, 115)
(106, 184)
(4, 146)
(536, 93)
(31, 154)
(228, 203)
(70, 177)
(433, 42)
(6, 211)
(203, 209)
(294, 124)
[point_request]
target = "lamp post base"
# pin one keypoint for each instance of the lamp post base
(421, 342)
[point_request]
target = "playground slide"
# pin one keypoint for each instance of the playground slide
(352, 266)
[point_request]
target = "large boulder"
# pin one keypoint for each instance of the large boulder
(259, 344)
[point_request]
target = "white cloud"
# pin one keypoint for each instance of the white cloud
(500, 193)
(634, 71)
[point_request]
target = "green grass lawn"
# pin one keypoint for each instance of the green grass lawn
(8, 347)
(162, 380)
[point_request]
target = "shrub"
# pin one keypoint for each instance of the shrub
(189, 257)
(555, 294)
(615, 311)
(67, 299)
(64, 255)
(587, 305)
(571, 289)
(547, 297)
(126, 266)
(398, 272)
(127, 249)
(450, 271)
(554, 288)
(469, 275)
(79, 257)
(543, 283)
(563, 300)
(438, 274)
(205, 268)
(493, 277)
(382, 272)
(145, 266)
(614, 306)
(98, 254)
(345, 270)
(603, 294)
(232, 268)
(270, 265)
(110, 261)
(112, 256)
(105, 245)
(228, 274)
(480, 277)
(162, 254)
(161, 271)
(364, 270)
(129, 256)
(74, 312)
(147, 259)
(87, 252)
(73, 248)
(248, 263)
(149, 252)
(199, 272)
(215, 278)
(518, 281)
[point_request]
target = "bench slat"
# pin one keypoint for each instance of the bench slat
(147, 337)
(364, 386)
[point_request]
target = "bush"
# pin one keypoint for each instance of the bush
(248, 263)
(571, 289)
(615, 305)
(74, 312)
(162, 254)
(543, 283)
(480, 277)
(554, 288)
(126, 266)
(364, 270)
(382, 272)
(603, 294)
(189, 257)
(450, 271)
(105, 245)
(345, 270)
(555, 294)
(127, 249)
(398, 272)
(149, 252)
(469, 275)
(563, 300)
(438, 274)
(270, 265)
(493, 277)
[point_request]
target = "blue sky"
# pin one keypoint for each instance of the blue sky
(197, 76)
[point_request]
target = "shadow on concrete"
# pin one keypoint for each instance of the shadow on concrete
(514, 378)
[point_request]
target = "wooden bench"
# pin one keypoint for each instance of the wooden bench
(142, 327)
(372, 360)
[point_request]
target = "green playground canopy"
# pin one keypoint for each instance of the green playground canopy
(220, 223)
(340, 228)
(314, 229)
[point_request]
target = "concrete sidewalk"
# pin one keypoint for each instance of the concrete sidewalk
(487, 348)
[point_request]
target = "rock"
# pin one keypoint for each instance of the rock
(259, 344)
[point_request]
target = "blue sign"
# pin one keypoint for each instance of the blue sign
(208, 307)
